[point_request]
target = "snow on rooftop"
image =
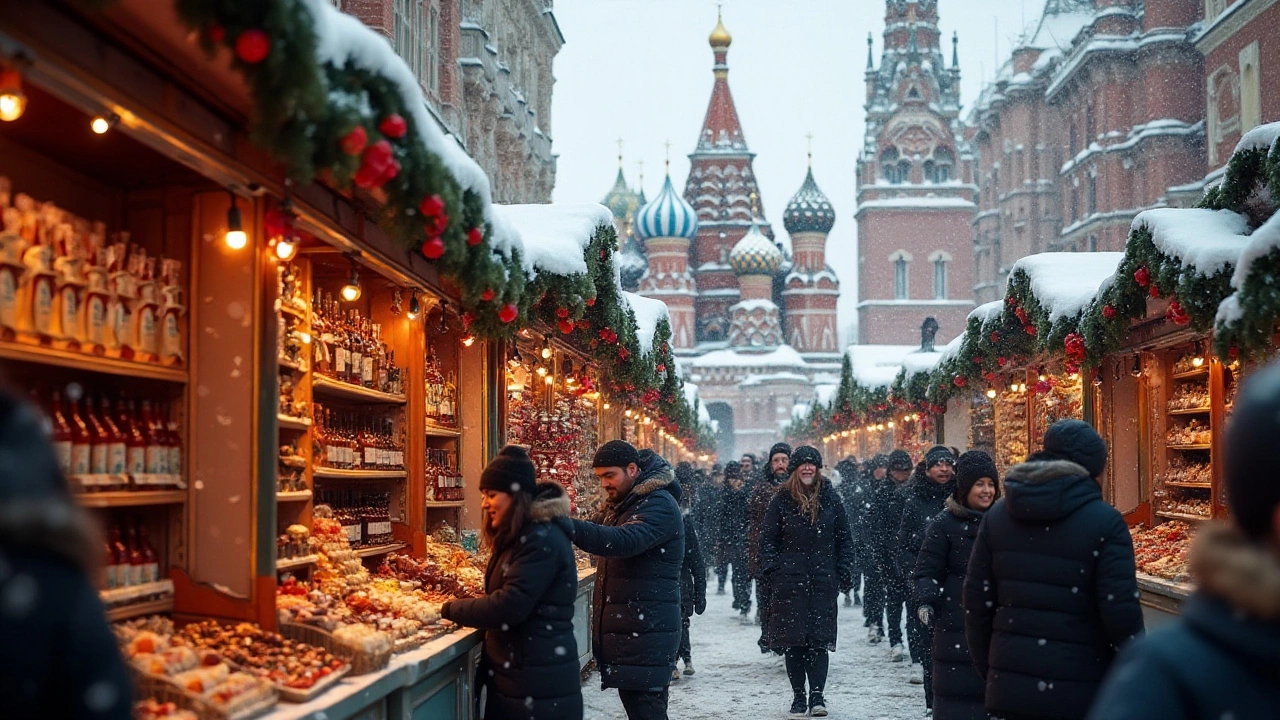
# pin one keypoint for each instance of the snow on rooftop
(753, 305)
(342, 39)
(1265, 239)
(1059, 29)
(917, 202)
(555, 237)
(648, 313)
(774, 377)
(1260, 138)
(877, 366)
(952, 348)
(783, 356)
(1206, 240)
(824, 394)
(987, 312)
(921, 362)
(1065, 282)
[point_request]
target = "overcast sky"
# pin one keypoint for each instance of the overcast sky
(641, 70)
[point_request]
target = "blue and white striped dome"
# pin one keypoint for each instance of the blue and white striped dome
(755, 254)
(667, 215)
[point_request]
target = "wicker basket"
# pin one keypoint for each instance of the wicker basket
(361, 662)
(165, 690)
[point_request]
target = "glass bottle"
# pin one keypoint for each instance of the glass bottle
(135, 442)
(117, 457)
(150, 561)
(134, 556)
(109, 563)
(157, 453)
(175, 445)
(81, 442)
(100, 445)
(61, 434)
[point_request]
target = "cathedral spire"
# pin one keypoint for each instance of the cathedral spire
(955, 50)
(720, 129)
(871, 64)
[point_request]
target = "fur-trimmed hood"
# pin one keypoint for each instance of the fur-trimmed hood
(655, 474)
(954, 507)
(550, 501)
(1242, 573)
(1048, 490)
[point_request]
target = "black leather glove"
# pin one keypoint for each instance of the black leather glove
(700, 605)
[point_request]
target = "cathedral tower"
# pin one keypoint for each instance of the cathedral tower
(666, 226)
(915, 192)
(754, 320)
(810, 289)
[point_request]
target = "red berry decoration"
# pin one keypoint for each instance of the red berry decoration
(353, 142)
(958, 381)
(562, 313)
(393, 126)
(508, 312)
(1142, 276)
(1000, 361)
(1029, 329)
(977, 359)
(487, 295)
(1021, 313)
(995, 337)
(377, 167)
(1153, 291)
(1108, 312)
(475, 236)
(1177, 314)
(661, 368)
(433, 248)
(216, 33)
(566, 326)
(431, 206)
(1075, 347)
(623, 354)
(253, 46)
(591, 301)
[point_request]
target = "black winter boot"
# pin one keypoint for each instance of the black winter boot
(799, 708)
(817, 706)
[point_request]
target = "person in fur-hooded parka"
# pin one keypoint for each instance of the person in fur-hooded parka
(58, 658)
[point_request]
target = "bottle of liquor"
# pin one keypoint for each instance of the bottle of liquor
(175, 444)
(157, 452)
(322, 343)
(100, 445)
(341, 351)
(117, 458)
(357, 348)
(150, 561)
(61, 434)
(133, 556)
(135, 442)
(109, 562)
(370, 349)
(81, 442)
(383, 382)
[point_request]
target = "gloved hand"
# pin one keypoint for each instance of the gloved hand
(700, 605)
(925, 613)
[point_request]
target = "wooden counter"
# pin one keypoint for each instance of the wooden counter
(1161, 599)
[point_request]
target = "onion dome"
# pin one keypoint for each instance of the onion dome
(667, 215)
(720, 37)
(621, 201)
(809, 210)
(755, 254)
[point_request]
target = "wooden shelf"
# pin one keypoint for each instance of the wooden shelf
(1193, 374)
(1181, 516)
(296, 496)
(298, 562)
(89, 363)
(288, 422)
(1191, 411)
(132, 498)
(322, 385)
(1189, 447)
(293, 461)
(1197, 486)
(380, 549)
(445, 503)
(148, 607)
(339, 474)
(299, 365)
(145, 599)
(438, 431)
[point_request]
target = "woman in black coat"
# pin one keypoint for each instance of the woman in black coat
(529, 668)
(806, 554)
(58, 658)
(939, 583)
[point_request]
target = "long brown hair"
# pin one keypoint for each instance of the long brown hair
(806, 496)
(497, 541)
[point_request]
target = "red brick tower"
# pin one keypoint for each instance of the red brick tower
(915, 197)
(810, 289)
(720, 185)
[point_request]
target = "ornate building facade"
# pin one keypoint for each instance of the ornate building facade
(485, 68)
(753, 326)
(915, 185)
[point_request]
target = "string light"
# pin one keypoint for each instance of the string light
(1043, 377)
(991, 393)
(546, 349)
(1198, 360)
(100, 124)
(1136, 370)
(236, 238)
(351, 291)
(414, 307)
(13, 102)
(286, 248)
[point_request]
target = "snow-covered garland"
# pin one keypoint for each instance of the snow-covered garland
(338, 118)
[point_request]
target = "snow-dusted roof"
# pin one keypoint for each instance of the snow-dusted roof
(952, 348)
(876, 366)
(987, 312)
(917, 202)
(648, 313)
(1265, 239)
(824, 394)
(1260, 138)
(784, 356)
(555, 237)
(1206, 240)
(1065, 282)
(919, 362)
(1057, 29)
(774, 377)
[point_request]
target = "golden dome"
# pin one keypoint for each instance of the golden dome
(720, 37)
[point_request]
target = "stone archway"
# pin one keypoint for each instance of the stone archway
(722, 413)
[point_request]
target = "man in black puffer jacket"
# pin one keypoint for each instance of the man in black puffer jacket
(883, 521)
(874, 472)
(930, 487)
(1052, 592)
(639, 540)
(1221, 657)
(853, 493)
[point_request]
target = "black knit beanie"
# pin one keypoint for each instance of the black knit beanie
(615, 453)
(804, 454)
(900, 460)
(970, 467)
(938, 454)
(781, 447)
(732, 469)
(1251, 437)
(1077, 441)
(510, 472)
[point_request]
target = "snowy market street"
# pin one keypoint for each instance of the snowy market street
(734, 680)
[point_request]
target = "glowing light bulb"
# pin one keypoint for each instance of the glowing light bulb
(286, 248)
(991, 393)
(468, 340)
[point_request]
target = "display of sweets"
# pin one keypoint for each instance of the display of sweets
(1189, 396)
(1057, 397)
(152, 709)
(561, 442)
(1011, 429)
(267, 655)
(1193, 472)
(1162, 550)
(1194, 432)
(1183, 506)
(1188, 362)
(447, 572)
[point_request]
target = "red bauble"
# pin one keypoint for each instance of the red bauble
(977, 359)
(662, 368)
(959, 381)
(1021, 313)
(475, 236)
(1029, 329)
(1177, 314)
(1142, 276)
(591, 301)
(624, 353)
(487, 295)
(508, 312)
(436, 224)
(216, 33)
(584, 324)
(566, 326)
(1000, 361)
(1108, 312)
(431, 206)
(1043, 386)
(562, 313)
(393, 126)
(995, 337)
(377, 167)
(433, 248)
(353, 143)
(1011, 300)
(1153, 291)
(253, 46)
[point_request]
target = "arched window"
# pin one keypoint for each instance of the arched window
(889, 166)
(942, 162)
(901, 263)
(940, 259)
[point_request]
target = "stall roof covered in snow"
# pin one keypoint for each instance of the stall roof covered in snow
(952, 348)
(774, 377)
(555, 237)
(1265, 239)
(1206, 240)
(987, 312)
(1065, 282)
(648, 313)
(921, 362)
(824, 394)
(876, 366)
(783, 356)
(1260, 138)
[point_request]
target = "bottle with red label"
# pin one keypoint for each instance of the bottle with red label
(117, 455)
(61, 434)
(150, 561)
(81, 442)
(135, 441)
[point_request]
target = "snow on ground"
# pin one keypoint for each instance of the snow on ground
(735, 681)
